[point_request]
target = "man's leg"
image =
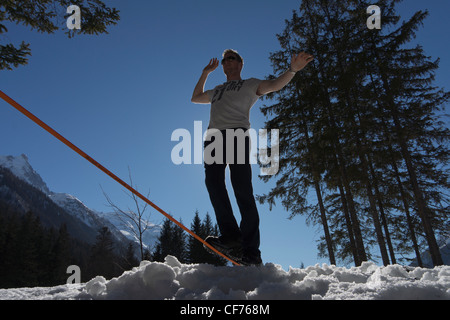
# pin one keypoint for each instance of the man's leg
(241, 175)
(241, 180)
(215, 183)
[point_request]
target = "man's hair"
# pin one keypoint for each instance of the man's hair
(235, 53)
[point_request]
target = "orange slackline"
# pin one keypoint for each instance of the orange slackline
(102, 168)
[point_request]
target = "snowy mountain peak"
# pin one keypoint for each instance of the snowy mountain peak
(75, 207)
(22, 169)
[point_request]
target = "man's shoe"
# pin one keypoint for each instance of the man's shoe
(230, 248)
(250, 260)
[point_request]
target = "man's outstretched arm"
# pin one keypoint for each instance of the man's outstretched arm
(298, 62)
(199, 95)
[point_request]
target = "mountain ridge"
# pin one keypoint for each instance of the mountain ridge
(92, 220)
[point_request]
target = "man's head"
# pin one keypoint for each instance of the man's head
(232, 64)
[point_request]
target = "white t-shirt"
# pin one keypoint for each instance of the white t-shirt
(231, 103)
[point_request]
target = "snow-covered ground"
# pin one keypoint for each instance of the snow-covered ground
(176, 281)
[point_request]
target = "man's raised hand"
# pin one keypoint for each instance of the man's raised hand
(213, 64)
(299, 61)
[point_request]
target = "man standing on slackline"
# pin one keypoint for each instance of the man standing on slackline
(230, 109)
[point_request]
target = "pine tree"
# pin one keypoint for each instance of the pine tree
(54, 256)
(102, 257)
(147, 255)
(196, 253)
(178, 244)
(194, 247)
(28, 249)
(404, 93)
(208, 229)
(129, 260)
(46, 16)
(360, 128)
(171, 241)
(162, 247)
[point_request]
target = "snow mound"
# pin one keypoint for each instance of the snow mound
(176, 281)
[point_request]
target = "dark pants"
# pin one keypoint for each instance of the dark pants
(241, 180)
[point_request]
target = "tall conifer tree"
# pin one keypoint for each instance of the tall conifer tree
(360, 128)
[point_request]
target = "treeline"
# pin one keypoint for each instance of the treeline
(34, 256)
(363, 148)
(174, 241)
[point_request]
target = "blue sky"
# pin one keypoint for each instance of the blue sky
(120, 96)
